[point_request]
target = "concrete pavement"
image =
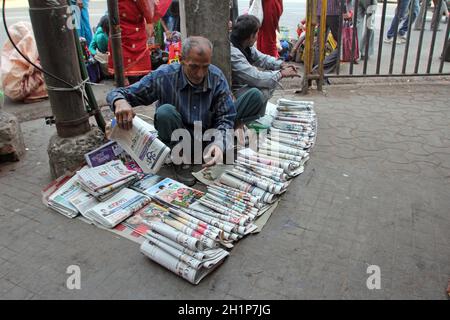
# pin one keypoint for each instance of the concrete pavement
(375, 192)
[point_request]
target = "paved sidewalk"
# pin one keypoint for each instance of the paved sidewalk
(375, 192)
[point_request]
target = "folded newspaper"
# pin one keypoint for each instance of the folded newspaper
(60, 199)
(142, 144)
(180, 253)
(106, 180)
(119, 207)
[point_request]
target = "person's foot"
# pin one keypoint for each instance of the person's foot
(183, 174)
(401, 39)
(432, 28)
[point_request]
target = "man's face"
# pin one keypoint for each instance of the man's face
(195, 65)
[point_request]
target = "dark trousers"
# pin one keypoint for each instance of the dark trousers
(250, 106)
(332, 24)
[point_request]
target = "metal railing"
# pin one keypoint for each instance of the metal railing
(393, 65)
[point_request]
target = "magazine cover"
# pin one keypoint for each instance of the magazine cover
(105, 153)
(174, 192)
(139, 221)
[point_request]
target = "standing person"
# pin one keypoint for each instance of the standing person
(82, 20)
(133, 17)
(267, 37)
(189, 94)
(401, 15)
(366, 11)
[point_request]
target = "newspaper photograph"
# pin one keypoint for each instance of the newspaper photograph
(174, 193)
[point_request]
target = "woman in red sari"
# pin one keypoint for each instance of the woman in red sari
(267, 37)
(133, 17)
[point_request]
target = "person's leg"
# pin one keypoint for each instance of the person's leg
(394, 24)
(370, 22)
(403, 10)
(360, 28)
(411, 14)
(419, 21)
(250, 106)
(437, 13)
(167, 120)
(333, 24)
(443, 10)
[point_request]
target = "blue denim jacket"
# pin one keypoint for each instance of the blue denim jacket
(211, 103)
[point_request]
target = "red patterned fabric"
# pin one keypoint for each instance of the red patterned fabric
(267, 38)
(136, 54)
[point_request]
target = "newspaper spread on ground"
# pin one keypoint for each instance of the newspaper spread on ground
(142, 144)
(181, 228)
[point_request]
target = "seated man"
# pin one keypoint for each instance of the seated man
(246, 59)
(187, 93)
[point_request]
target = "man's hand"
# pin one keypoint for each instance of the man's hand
(289, 72)
(124, 114)
(213, 156)
(285, 65)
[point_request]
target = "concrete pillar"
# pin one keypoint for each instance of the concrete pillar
(55, 39)
(68, 153)
(209, 18)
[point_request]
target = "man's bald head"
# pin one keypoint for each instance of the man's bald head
(200, 44)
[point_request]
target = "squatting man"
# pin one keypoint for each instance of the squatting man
(194, 92)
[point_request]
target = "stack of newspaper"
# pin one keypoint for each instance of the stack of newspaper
(175, 239)
(119, 207)
(59, 199)
(242, 192)
(106, 180)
